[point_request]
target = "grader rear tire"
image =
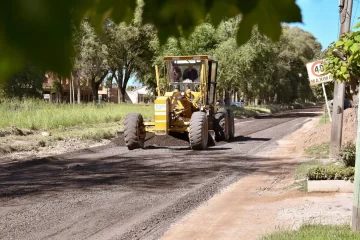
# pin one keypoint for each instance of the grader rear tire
(231, 124)
(134, 131)
(221, 126)
(198, 135)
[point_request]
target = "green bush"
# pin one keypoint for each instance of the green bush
(331, 172)
(348, 154)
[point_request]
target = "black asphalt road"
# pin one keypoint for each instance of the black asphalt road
(113, 193)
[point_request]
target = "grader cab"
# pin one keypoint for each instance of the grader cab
(185, 103)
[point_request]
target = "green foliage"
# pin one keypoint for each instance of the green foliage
(24, 24)
(318, 92)
(37, 114)
(346, 65)
(301, 174)
(25, 83)
(131, 50)
(91, 62)
(321, 150)
(348, 154)
(343, 60)
(303, 169)
(315, 232)
(271, 72)
(331, 172)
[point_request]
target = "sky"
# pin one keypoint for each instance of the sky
(321, 18)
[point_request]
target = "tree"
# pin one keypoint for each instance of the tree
(93, 58)
(23, 27)
(343, 61)
(25, 84)
(57, 85)
(130, 51)
(260, 69)
(296, 48)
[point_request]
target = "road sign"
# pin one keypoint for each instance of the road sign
(317, 74)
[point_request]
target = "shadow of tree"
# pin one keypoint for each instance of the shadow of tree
(144, 173)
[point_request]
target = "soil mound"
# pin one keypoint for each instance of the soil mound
(322, 134)
(152, 140)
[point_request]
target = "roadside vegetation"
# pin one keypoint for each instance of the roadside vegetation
(316, 232)
(318, 151)
(301, 174)
(323, 120)
(22, 122)
(39, 115)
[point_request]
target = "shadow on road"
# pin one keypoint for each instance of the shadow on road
(247, 139)
(289, 115)
(142, 173)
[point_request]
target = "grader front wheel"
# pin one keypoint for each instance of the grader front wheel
(231, 124)
(198, 131)
(134, 131)
(222, 126)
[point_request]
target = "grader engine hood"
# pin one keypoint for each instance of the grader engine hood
(162, 115)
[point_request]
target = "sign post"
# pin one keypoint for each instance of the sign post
(327, 103)
(317, 75)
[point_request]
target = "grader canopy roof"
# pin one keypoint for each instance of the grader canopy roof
(195, 57)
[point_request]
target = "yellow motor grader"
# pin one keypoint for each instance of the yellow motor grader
(185, 103)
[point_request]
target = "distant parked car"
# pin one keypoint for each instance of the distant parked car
(237, 104)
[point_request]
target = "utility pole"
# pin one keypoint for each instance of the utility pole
(339, 90)
(345, 13)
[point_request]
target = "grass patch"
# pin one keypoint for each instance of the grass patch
(251, 111)
(94, 132)
(318, 151)
(323, 120)
(98, 134)
(316, 232)
(301, 174)
(37, 114)
(303, 168)
(88, 134)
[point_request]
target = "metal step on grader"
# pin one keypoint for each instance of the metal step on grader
(185, 103)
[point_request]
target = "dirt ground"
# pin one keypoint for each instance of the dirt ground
(322, 134)
(266, 201)
(85, 194)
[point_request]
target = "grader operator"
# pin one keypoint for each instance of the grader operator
(185, 103)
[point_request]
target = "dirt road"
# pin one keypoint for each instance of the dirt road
(112, 193)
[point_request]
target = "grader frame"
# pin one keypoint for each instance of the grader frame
(184, 105)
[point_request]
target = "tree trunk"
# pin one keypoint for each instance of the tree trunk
(78, 92)
(95, 88)
(70, 89)
(227, 97)
(123, 90)
(119, 94)
(61, 95)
